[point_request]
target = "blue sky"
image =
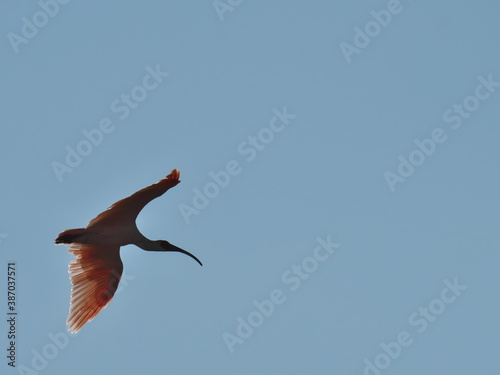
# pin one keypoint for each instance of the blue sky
(353, 227)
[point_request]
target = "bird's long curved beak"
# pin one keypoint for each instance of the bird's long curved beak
(179, 250)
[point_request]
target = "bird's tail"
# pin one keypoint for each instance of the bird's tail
(69, 236)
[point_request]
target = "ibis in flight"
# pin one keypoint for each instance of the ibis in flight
(97, 269)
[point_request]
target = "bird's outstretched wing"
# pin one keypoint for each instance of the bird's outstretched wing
(95, 274)
(127, 209)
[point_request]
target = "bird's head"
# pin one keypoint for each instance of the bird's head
(169, 247)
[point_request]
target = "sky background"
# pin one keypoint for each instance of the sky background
(323, 175)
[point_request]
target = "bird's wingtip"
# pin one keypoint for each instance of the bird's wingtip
(174, 175)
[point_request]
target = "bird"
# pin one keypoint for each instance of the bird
(97, 268)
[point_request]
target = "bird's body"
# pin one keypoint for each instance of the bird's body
(97, 269)
(105, 234)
